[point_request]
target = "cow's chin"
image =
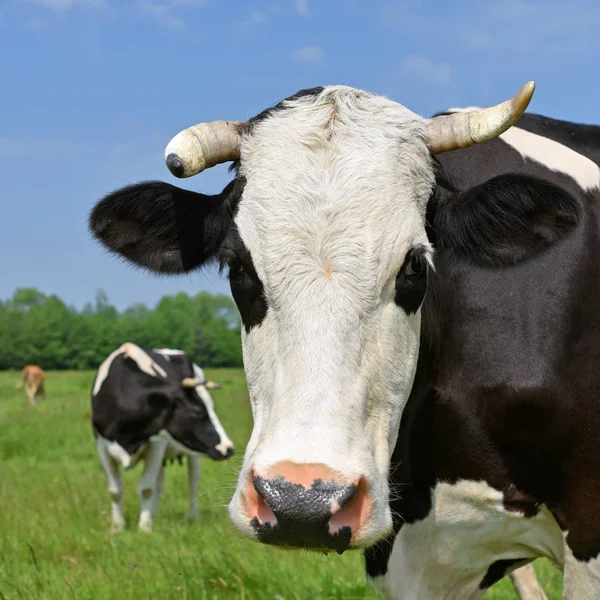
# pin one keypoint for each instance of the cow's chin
(370, 518)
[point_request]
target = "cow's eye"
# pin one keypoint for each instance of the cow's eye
(416, 265)
(411, 281)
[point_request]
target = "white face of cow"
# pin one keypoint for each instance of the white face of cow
(323, 231)
(333, 218)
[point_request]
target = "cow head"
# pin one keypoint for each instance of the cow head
(323, 235)
(194, 425)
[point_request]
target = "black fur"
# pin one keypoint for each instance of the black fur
(504, 221)
(164, 228)
(499, 569)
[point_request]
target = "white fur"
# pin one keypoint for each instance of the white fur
(150, 483)
(143, 361)
(225, 444)
(526, 583)
(335, 197)
(581, 580)
(447, 554)
(553, 155)
(115, 484)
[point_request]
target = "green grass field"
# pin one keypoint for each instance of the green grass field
(54, 517)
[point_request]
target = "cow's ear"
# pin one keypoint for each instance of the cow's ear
(506, 220)
(164, 228)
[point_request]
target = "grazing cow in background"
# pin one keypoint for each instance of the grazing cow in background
(153, 405)
(328, 230)
(33, 379)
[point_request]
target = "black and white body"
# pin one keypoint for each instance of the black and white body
(153, 406)
(487, 364)
(495, 453)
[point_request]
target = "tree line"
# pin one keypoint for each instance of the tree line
(41, 329)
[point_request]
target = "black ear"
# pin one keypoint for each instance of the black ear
(506, 220)
(162, 227)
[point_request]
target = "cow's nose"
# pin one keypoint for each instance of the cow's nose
(307, 506)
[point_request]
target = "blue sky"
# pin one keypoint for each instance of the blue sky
(92, 90)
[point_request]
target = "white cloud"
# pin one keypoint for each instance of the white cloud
(255, 18)
(63, 5)
(307, 54)
(302, 8)
(426, 69)
(164, 12)
(539, 28)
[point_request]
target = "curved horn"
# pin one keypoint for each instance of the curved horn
(211, 385)
(459, 130)
(203, 146)
(189, 382)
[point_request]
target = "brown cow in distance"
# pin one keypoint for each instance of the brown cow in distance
(33, 379)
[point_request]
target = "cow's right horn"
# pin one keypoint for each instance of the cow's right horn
(203, 146)
(189, 382)
(462, 129)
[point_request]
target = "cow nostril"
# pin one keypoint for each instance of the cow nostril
(353, 512)
(256, 506)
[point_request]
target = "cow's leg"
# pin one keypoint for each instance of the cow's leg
(526, 583)
(148, 482)
(41, 391)
(194, 479)
(115, 486)
(581, 579)
(160, 480)
(30, 394)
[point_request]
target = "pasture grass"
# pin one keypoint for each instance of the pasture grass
(54, 517)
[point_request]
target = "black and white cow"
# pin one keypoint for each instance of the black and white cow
(153, 405)
(328, 231)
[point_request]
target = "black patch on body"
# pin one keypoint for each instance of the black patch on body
(302, 513)
(506, 220)
(507, 383)
(132, 406)
(498, 570)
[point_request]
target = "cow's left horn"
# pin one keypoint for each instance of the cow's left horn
(189, 382)
(459, 130)
(203, 146)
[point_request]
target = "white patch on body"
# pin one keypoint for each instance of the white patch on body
(526, 583)
(335, 196)
(143, 361)
(551, 154)
(581, 580)
(447, 554)
(225, 443)
(149, 482)
(115, 484)
(166, 352)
